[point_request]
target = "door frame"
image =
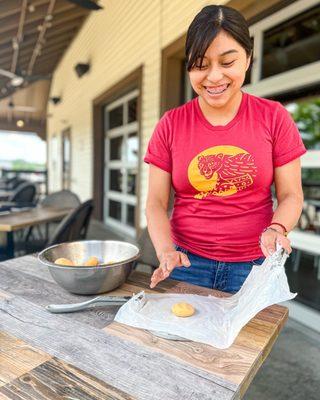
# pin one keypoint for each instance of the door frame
(128, 83)
(65, 133)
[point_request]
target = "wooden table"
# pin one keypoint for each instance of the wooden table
(5, 194)
(88, 356)
(24, 219)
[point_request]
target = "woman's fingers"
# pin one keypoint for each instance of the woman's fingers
(184, 260)
(168, 262)
(159, 275)
(269, 242)
(285, 244)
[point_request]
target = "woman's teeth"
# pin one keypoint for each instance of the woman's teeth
(217, 90)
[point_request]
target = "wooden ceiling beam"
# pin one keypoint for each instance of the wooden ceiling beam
(73, 21)
(26, 55)
(65, 39)
(37, 126)
(38, 15)
(9, 7)
(32, 23)
(26, 58)
(29, 46)
(33, 35)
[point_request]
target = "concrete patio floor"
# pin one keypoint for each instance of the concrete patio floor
(292, 369)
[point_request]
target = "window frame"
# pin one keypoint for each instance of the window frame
(286, 81)
(124, 131)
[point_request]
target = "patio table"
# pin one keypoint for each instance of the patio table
(5, 194)
(86, 355)
(24, 219)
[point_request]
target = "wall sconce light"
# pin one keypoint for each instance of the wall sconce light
(20, 123)
(81, 69)
(55, 99)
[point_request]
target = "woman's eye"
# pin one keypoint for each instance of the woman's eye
(201, 66)
(227, 64)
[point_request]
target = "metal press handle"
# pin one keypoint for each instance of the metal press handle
(107, 300)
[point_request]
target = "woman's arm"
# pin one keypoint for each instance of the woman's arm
(287, 179)
(159, 225)
(156, 210)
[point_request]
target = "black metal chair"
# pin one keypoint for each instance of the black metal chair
(25, 193)
(14, 182)
(61, 199)
(58, 200)
(73, 227)
(148, 254)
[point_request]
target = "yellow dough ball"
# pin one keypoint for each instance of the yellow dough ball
(183, 309)
(64, 261)
(91, 262)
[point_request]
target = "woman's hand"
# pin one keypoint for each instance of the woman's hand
(168, 261)
(270, 238)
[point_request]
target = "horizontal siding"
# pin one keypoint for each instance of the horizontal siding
(116, 41)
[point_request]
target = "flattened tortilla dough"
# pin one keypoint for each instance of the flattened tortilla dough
(183, 309)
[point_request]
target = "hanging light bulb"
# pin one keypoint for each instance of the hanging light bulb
(20, 123)
(31, 7)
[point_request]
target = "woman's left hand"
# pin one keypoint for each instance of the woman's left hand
(269, 240)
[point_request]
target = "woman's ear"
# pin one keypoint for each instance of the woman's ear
(249, 62)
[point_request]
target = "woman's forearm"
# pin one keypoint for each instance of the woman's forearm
(288, 211)
(159, 228)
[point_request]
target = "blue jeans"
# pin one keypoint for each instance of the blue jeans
(220, 275)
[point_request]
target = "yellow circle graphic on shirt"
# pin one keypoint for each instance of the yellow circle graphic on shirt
(221, 171)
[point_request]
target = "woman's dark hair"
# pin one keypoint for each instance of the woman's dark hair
(207, 24)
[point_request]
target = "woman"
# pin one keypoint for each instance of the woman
(221, 152)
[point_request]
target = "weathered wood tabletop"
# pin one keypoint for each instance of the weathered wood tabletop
(34, 216)
(24, 219)
(85, 355)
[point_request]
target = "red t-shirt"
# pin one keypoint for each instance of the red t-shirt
(222, 175)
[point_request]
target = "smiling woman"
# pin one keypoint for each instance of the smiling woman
(221, 152)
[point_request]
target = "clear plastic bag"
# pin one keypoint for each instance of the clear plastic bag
(217, 321)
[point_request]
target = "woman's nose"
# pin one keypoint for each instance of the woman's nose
(215, 74)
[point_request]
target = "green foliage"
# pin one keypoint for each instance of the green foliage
(26, 165)
(307, 117)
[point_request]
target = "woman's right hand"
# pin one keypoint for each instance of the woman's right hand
(168, 261)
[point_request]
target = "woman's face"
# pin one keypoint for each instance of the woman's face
(222, 73)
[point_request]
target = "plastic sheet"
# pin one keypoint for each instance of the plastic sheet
(217, 320)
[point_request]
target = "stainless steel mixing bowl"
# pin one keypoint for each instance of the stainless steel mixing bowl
(91, 280)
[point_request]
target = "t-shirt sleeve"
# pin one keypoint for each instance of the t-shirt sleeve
(288, 144)
(159, 147)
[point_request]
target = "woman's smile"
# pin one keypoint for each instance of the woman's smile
(215, 91)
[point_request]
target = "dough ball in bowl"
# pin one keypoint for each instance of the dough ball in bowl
(64, 261)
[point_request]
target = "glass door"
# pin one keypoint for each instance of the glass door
(121, 163)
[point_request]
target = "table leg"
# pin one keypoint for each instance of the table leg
(10, 245)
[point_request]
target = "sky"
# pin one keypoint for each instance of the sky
(22, 146)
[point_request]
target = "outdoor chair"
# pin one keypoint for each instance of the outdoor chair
(148, 255)
(73, 227)
(13, 183)
(58, 200)
(61, 199)
(25, 193)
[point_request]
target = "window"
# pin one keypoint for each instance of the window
(121, 163)
(293, 43)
